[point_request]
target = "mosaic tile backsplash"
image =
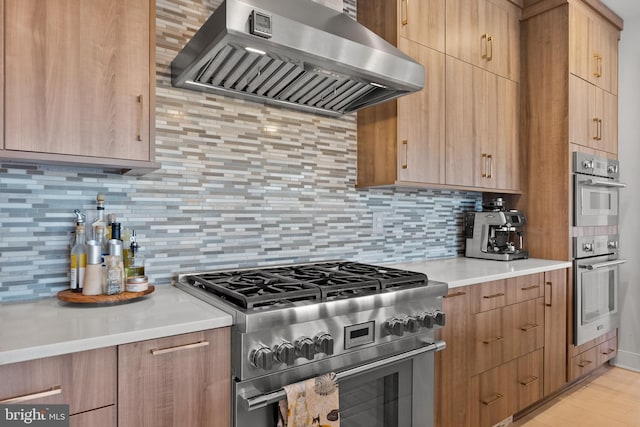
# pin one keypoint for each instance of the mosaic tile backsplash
(241, 184)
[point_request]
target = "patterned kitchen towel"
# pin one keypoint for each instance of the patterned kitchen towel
(311, 403)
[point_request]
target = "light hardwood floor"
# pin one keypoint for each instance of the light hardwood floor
(610, 400)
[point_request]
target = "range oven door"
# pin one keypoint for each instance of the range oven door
(596, 201)
(596, 297)
(392, 392)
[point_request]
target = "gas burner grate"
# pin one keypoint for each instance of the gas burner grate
(252, 289)
(388, 277)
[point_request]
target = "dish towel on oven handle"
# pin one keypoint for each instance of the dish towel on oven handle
(314, 402)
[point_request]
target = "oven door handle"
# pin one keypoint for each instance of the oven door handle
(267, 399)
(599, 183)
(603, 264)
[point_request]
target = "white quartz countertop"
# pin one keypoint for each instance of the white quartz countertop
(469, 271)
(48, 327)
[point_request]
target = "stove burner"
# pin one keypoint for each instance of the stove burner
(277, 286)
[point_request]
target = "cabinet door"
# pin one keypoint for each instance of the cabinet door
(421, 156)
(103, 417)
(489, 340)
(529, 379)
(485, 33)
(466, 123)
(582, 127)
(77, 77)
(494, 396)
(609, 127)
(503, 131)
(181, 380)
(422, 22)
(555, 330)
(523, 328)
(452, 364)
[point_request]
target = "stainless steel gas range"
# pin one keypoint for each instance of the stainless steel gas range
(373, 326)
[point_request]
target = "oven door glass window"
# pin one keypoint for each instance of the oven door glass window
(378, 398)
(598, 289)
(595, 205)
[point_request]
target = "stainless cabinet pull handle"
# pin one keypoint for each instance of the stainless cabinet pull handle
(492, 340)
(158, 351)
(51, 392)
(529, 380)
(139, 118)
(585, 363)
(483, 45)
(493, 400)
(405, 144)
(490, 48)
(490, 158)
(528, 327)
(500, 294)
(528, 288)
(483, 165)
(455, 294)
(405, 12)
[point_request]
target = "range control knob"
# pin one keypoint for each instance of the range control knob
(426, 319)
(324, 343)
(305, 347)
(587, 247)
(262, 358)
(587, 164)
(411, 324)
(612, 169)
(439, 317)
(613, 244)
(394, 326)
(285, 353)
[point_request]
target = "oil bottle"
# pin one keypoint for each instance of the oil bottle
(78, 255)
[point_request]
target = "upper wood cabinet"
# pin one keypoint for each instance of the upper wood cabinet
(79, 81)
(481, 128)
(593, 53)
(471, 143)
(183, 380)
(485, 33)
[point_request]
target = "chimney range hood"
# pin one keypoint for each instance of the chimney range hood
(296, 54)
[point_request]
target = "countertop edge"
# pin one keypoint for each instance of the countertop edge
(509, 275)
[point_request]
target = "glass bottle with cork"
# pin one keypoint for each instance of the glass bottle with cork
(99, 225)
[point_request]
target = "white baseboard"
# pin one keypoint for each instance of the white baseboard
(627, 360)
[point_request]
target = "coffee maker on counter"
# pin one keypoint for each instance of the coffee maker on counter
(495, 233)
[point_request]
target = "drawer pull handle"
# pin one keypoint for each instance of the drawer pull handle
(550, 284)
(500, 294)
(493, 400)
(492, 340)
(529, 380)
(455, 294)
(611, 350)
(139, 118)
(585, 363)
(51, 392)
(527, 328)
(405, 13)
(405, 143)
(158, 351)
(528, 288)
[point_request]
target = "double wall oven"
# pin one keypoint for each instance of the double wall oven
(372, 326)
(595, 251)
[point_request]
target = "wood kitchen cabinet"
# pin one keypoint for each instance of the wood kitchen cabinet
(402, 141)
(555, 334)
(464, 140)
(494, 363)
(79, 82)
(485, 33)
(180, 380)
(481, 128)
(86, 381)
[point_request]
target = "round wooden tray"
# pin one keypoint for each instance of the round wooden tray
(68, 296)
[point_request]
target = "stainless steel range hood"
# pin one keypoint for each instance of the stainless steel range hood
(294, 53)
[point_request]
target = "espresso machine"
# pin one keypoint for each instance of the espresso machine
(495, 233)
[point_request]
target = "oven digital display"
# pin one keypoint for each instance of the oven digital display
(360, 334)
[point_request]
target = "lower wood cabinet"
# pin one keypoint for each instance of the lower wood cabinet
(103, 417)
(182, 380)
(496, 362)
(85, 381)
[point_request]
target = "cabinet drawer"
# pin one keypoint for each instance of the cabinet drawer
(103, 417)
(584, 363)
(525, 288)
(493, 395)
(84, 380)
(607, 351)
(529, 379)
(523, 328)
(488, 296)
(489, 340)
